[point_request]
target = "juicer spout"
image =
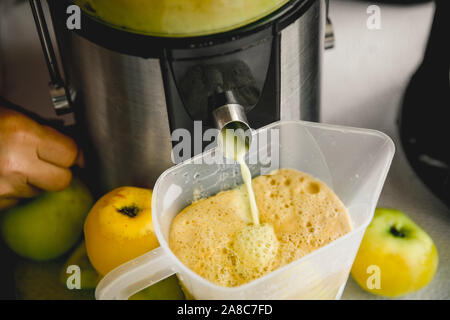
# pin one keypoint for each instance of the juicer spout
(227, 113)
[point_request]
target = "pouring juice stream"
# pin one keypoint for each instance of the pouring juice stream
(256, 244)
(235, 146)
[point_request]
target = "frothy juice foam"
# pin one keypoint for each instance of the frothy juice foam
(242, 234)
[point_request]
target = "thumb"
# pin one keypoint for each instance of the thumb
(7, 203)
(80, 159)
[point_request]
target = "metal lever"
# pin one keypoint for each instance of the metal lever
(62, 95)
(329, 32)
(329, 35)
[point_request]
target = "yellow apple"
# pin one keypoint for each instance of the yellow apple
(396, 256)
(119, 228)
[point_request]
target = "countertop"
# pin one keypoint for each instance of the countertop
(364, 78)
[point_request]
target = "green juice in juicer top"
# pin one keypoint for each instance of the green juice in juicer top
(179, 18)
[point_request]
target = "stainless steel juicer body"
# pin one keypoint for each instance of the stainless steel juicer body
(130, 87)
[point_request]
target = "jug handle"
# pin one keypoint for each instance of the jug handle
(135, 275)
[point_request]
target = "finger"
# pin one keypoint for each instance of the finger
(16, 186)
(7, 203)
(80, 159)
(48, 177)
(56, 148)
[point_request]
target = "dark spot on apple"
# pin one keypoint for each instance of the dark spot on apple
(130, 211)
(397, 233)
(89, 8)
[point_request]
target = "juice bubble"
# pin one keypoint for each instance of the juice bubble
(256, 247)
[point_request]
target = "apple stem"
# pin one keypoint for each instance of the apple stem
(396, 233)
(130, 211)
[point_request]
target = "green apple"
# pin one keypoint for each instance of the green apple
(179, 17)
(40, 281)
(396, 256)
(89, 277)
(48, 226)
(167, 289)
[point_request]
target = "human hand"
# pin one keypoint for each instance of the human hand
(33, 158)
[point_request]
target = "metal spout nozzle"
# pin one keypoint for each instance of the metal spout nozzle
(227, 112)
(228, 116)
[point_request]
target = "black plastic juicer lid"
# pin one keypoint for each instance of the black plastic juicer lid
(123, 41)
